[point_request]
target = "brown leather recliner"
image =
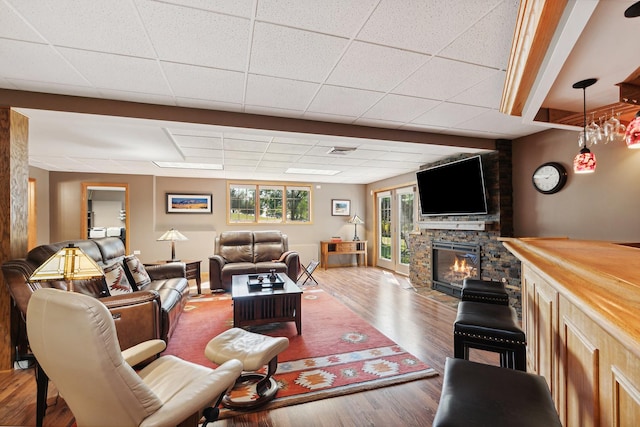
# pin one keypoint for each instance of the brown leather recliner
(149, 313)
(250, 252)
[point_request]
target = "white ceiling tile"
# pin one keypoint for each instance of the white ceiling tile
(337, 17)
(496, 122)
(487, 93)
(245, 145)
(485, 42)
(203, 154)
(280, 93)
(422, 26)
(286, 52)
(246, 162)
(37, 62)
(297, 149)
(241, 155)
(119, 72)
(204, 83)
(192, 141)
(14, 27)
(280, 157)
(369, 66)
(443, 78)
(197, 37)
(111, 26)
(343, 101)
(242, 8)
(448, 114)
(399, 108)
(248, 136)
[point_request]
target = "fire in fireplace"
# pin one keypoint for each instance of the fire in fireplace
(452, 262)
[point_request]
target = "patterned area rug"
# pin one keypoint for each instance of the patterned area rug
(338, 352)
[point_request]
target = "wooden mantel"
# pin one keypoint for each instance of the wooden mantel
(581, 314)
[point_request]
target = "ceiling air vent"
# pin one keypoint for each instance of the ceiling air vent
(341, 150)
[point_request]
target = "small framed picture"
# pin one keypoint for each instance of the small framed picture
(340, 207)
(189, 203)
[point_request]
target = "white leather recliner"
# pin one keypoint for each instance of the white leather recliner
(73, 338)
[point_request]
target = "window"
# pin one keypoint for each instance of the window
(269, 203)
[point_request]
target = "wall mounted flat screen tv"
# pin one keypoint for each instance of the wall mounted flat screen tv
(455, 188)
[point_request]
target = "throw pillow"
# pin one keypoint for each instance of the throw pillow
(136, 271)
(116, 279)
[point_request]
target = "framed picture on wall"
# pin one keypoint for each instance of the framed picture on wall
(340, 207)
(189, 203)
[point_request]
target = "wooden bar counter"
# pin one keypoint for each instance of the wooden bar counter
(581, 314)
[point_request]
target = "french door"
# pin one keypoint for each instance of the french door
(395, 214)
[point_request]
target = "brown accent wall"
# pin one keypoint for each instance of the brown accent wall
(14, 178)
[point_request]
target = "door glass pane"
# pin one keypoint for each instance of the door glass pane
(385, 227)
(405, 218)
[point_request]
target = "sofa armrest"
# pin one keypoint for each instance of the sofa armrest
(292, 260)
(216, 262)
(136, 315)
(166, 271)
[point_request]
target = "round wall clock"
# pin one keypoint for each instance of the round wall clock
(549, 178)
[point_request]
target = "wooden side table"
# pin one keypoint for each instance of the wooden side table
(357, 247)
(192, 269)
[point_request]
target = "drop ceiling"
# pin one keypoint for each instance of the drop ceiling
(432, 67)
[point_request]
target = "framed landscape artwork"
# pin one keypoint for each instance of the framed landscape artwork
(189, 203)
(340, 207)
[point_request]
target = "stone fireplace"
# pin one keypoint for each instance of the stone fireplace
(452, 263)
(480, 234)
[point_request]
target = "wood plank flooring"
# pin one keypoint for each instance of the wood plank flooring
(419, 320)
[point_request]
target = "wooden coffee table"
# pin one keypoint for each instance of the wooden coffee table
(260, 306)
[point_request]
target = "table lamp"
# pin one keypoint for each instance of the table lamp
(355, 220)
(172, 236)
(69, 263)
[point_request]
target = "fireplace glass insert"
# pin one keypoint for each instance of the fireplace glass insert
(452, 262)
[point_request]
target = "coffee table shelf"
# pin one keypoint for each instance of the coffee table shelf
(258, 306)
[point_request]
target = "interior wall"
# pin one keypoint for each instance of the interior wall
(42, 204)
(149, 220)
(603, 205)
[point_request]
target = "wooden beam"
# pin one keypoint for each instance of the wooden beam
(535, 27)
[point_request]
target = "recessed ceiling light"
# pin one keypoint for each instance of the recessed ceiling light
(186, 165)
(311, 171)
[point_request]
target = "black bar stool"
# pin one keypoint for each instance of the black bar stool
(490, 327)
(487, 291)
(475, 394)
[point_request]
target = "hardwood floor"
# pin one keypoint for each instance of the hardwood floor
(420, 321)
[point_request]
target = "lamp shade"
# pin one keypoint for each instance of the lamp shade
(355, 220)
(584, 162)
(172, 235)
(69, 263)
(632, 135)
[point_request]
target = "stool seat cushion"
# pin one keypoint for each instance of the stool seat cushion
(253, 350)
(484, 291)
(497, 322)
(475, 394)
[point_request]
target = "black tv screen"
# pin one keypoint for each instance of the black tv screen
(455, 188)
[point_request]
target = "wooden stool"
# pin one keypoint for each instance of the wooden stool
(475, 394)
(490, 327)
(254, 351)
(486, 291)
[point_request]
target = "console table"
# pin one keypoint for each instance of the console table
(357, 247)
(192, 268)
(581, 316)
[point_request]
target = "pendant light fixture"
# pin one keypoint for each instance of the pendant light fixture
(585, 161)
(632, 137)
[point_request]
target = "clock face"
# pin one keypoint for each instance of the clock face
(549, 178)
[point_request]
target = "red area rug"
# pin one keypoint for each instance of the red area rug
(338, 352)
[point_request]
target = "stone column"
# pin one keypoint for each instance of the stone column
(14, 181)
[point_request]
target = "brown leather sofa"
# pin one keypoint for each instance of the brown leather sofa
(250, 252)
(150, 312)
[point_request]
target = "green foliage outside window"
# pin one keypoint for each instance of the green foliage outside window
(268, 203)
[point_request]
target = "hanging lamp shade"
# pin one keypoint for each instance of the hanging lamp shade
(632, 135)
(585, 161)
